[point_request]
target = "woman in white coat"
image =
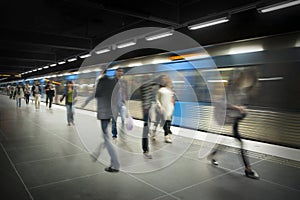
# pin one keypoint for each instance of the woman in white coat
(19, 93)
(165, 105)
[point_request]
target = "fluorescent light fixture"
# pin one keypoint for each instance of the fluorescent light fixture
(297, 43)
(278, 6)
(46, 67)
(158, 36)
(29, 71)
(135, 64)
(127, 44)
(86, 71)
(85, 55)
(208, 23)
(160, 60)
(62, 62)
(71, 59)
(34, 70)
(102, 51)
(270, 79)
(217, 81)
(40, 68)
(53, 65)
(245, 49)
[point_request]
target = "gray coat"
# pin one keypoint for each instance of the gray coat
(103, 95)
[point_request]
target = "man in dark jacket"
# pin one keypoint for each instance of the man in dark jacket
(103, 95)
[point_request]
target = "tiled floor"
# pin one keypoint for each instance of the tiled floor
(43, 158)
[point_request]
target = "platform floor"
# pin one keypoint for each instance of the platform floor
(43, 158)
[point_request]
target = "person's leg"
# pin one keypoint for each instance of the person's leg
(111, 151)
(39, 100)
(238, 137)
(248, 171)
(69, 113)
(47, 96)
(167, 130)
(145, 139)
(50, 101)
(19, 101)
(114, 130)
(123, 116)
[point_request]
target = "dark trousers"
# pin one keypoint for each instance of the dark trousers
(236, 134)
(145, 139)
(27, 98)
(167, 127)
(50, 97)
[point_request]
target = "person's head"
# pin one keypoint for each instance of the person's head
(119, 73)
(70, 83)
(244, 79)
(163, 79)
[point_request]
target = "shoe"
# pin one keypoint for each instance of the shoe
(69, 124)
(214, 162)
(168, 139)
(147, 155)
(250, 173)
(73, 123)
(110, 169)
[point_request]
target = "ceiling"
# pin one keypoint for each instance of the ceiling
(36, 33)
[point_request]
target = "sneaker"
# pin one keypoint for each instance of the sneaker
(69, 124)
(250, 173)
(147, 155)
(110, 169)
(214, 162)
(168, 139)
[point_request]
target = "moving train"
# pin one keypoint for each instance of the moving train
(274, 109)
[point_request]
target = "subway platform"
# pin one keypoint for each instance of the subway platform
(43, 158)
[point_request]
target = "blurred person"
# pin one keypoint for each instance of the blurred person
(146, 95)
(120, 108)
(92, 96)
(238, 90)
(50, 93)
(27, 93)
(162, 81)
(19, 94)
(11, 92)
(70, 94)
(36, 92)
(103, 95)
(165, 104)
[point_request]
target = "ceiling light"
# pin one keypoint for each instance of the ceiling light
(62, 62)
(40, 68)
(208, 23)
(102, 51)
(245, 49)
(85, 55)
(278, 6)
(46, 67)
(53, 65)
(34, 70)
(270, 79)
(127, 44)
(158, 36)
(71, 59)
(134, 64)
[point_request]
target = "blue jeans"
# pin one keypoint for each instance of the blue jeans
(18, 102)
(70, 113)
(145, 140)
(111, 151)
(114, 129)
